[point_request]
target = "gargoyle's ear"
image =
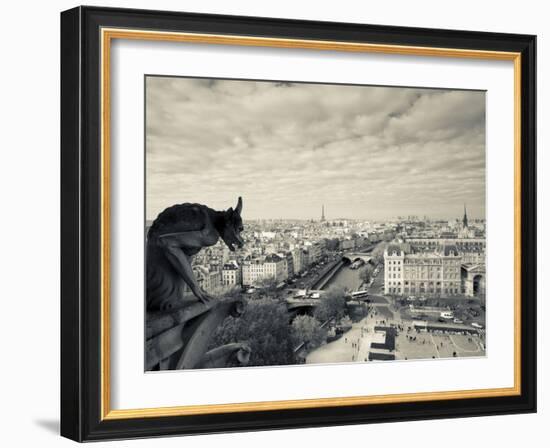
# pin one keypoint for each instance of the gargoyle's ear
(239, 206)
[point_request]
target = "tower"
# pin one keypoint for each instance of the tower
(465, 219)
(323, 213)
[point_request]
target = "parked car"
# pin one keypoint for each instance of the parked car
(458, 321)
(476, 325)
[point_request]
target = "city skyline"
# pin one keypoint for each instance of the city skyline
(364, 152)
(341, 218)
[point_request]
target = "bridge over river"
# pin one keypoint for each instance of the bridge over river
(337, 274)
(301, 304)
(357, 256)
(338, 268)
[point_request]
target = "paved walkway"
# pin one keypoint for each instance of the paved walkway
(352, 346)
(343, 349)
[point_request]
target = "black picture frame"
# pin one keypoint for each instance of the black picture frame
(81, 224)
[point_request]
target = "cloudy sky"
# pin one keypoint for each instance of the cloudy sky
(287, 148)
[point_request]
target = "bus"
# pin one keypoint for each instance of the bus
(359, 294)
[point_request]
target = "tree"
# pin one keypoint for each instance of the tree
(332, 305)
(268, 284)
(366, 274)
(346, 321)
(265, 326)
(378, 252)
(332, 244)
(307, 330)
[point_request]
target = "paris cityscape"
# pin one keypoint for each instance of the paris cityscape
(363, 235)
(410, 288)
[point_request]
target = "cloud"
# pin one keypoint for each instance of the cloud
(363, 151)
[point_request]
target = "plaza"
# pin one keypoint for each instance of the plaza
(414, 340)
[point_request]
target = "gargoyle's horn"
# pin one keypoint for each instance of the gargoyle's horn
(239, 206)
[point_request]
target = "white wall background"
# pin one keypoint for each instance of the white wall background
(29, 223)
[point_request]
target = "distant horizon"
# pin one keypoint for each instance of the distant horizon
(344, 218)
(288, 148)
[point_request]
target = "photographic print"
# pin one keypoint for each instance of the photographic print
(298, 204)
(293, 223)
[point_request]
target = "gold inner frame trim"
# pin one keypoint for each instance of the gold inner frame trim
(107, 35)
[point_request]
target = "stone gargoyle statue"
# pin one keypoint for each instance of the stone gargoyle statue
(179, 329)
(176, 235)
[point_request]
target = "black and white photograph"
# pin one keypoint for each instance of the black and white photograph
(301, 223)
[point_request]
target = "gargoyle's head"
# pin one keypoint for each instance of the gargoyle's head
(231, 232)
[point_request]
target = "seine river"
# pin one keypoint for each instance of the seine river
(346, 278)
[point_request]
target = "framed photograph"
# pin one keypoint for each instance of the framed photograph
(274, 223)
